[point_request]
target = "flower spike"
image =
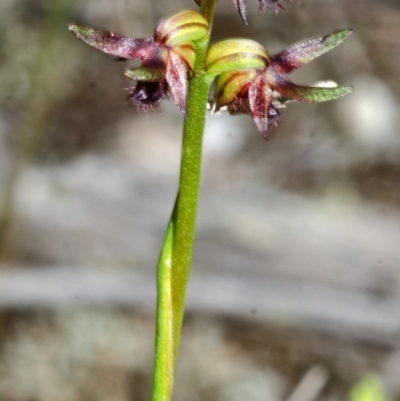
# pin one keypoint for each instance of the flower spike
(250, 81)
(167, 57)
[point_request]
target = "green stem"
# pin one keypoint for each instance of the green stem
(176, 255)
(188, 198)
(189, 182)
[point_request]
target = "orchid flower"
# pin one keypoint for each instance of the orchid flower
(167, 57)
(251, 81)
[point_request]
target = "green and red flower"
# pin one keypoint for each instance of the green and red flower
(251, 81)
(167, 57)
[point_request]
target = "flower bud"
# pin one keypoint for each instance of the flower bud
(235, 55)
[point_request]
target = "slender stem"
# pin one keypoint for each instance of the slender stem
(174, 263)
(187, 199)
(189, 182)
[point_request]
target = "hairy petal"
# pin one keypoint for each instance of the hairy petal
(110, 42)
(300, 53)
(176, 77)
(264, 113)
(291, 91)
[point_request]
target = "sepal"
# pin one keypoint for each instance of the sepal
(110, 42)
(304, 51)
(182, 27)
(235, 55)
(317, 93)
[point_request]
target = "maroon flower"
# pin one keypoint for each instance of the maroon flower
(250, 81)
(167, 57)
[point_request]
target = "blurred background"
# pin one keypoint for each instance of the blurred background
(295, 287)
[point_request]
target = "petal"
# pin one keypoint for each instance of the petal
(232, 85)
(110, 42)
(264, 113)
(291, 91)
(176, 77)
(303, 52)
